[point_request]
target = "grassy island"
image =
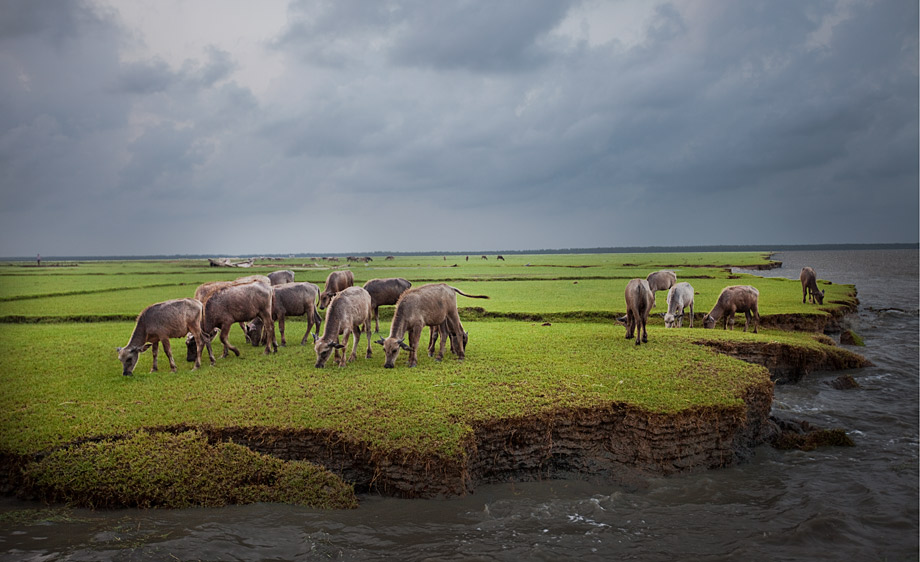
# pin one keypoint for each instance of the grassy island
(549, 387)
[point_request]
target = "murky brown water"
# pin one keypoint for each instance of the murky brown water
(856, 503)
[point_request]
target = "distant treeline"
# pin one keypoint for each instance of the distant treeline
(604, 250)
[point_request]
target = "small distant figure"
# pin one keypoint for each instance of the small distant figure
(484, 257)
(501, 258)
(39, 260)
(467, 258)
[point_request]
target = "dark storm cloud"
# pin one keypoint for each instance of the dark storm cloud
(716, 123)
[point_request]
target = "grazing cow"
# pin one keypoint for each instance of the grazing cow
(431, 305)
(809, 280)
(290, 299)
(157, 323)
(281, 277)
(680, 296)
(204, 292)
(484, 257)
(660, 281)
(349, 309)
(639, 298)
(736, 298)
(238, 303)
(337, 281)
(385, 292)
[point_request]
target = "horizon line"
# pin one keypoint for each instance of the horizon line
(591, 250)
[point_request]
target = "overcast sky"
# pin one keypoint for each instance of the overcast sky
(244, 128)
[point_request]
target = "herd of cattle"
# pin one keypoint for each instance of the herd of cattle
(258, 301)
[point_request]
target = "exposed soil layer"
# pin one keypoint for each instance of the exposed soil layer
(616, 442)
(789, 363)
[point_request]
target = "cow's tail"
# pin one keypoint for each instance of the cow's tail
(459, 292)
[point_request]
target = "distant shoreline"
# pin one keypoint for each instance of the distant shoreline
(600, 250)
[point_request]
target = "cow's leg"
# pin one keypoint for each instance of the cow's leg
(356, 330)
(268, 331)
(281, 330)
(309, 325)
(415, 334)
(168, 349)
(156, 351)
(432, 339)
(376, 321)
(199, 343)
(454, 329)
(367, 335)
(630, 324)
(344, 358)
(225, 339)
(644, 331)
(691, 314)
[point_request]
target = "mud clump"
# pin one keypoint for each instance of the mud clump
(804, 436)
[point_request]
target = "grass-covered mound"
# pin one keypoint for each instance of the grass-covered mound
(179, 470)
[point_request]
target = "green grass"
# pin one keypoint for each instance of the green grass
(62, 382)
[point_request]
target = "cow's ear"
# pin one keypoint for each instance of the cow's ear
(337, 345)
(146, 347)
(404, 346)
(380, 341)
(118, 349)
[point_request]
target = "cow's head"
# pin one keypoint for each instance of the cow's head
(820, 297)
(709, 322)
(128, 357)
(324, 349)
(671, 320)
(391, 347)
(253, 332)
(324, 299)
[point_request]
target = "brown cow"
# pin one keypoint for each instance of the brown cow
(290, 299)
(337, 281)
(661, 281)
(347, 312)
(736, 298)
(238, 303)
(809, 280)
(431, 305)
(157, 323)
(385, 292)
(639, 298)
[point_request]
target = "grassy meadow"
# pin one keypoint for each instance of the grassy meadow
(62, 382)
